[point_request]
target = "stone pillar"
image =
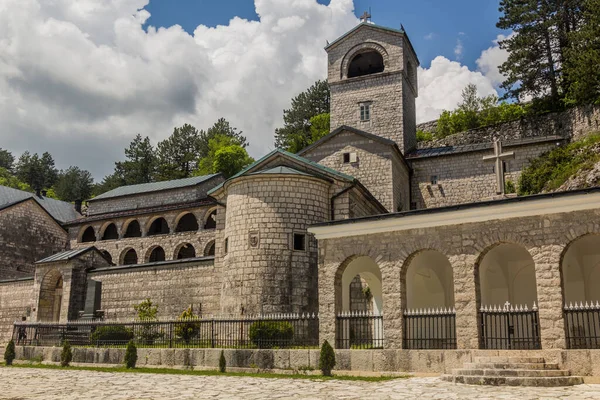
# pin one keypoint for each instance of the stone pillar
(549, 294)
(465, 301)
(327, 296)
(392, 304)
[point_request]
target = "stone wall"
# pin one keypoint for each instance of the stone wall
(27, 234)
(16, 302)
(573, 123)
(172, 287)
(465, 177)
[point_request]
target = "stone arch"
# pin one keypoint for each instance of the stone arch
(155, 254)
(580, 270)
(109, 232)
(132, 229)
(209, 249)
(51, 297)
(186, 222)
(368, 270)
(210, 219)
(158, 226)
(184, 250)
(87, 234)
(362, 49)
(128, 257)
(428, 281)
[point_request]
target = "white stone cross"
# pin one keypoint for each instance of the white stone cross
(499, 158)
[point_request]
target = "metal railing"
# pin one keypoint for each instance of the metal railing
(582, 325)
(509, 327)
(359, 330)
(429, 329)
(271, 331)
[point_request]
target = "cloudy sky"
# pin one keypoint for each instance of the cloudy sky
(81, 78)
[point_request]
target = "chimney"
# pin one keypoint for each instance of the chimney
(44, 193)
(38, 192)
(78, 206)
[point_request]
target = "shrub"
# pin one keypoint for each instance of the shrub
(9, 353)
(190, 328)
(112, 334)
(222, 362)
(326, 359)
(423, 136)
(509, 187)
(148, 312)
(130, 355)
(266, 334)
(67, 354)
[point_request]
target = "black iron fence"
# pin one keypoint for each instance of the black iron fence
(509, 327)
(429, 329)
(273, 331)
(359, 330)
(582, 325)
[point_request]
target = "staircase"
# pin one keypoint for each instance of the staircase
(512, 371)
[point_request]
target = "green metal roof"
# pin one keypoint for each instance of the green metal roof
(281, 170)
(153, 187)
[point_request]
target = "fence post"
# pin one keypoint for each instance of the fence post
(170, 335)
(212, 333)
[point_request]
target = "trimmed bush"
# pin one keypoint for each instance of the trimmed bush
(9, 353)
(113, 334)
(268, 334)
(131, 355)
(188, 329)
(222, 362)
(67, 354)
(326, 359)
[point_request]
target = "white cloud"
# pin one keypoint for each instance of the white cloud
(491, 59)
(79, 79)
(429, 36)
(459, 48)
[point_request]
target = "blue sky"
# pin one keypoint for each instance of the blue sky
(434, 26)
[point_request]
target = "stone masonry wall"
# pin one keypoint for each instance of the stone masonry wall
(16, 301)
(172, 287)
(27, 234)
(465, 177)
(545, 237)
(269, 276)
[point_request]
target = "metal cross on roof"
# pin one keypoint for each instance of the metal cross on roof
(499, 158)
(365, 17)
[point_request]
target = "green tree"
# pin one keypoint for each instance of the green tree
(146, 310)
(7, 160)
(222, 362)
(470, 107)
(66, 356)
(296, 131)
(130, 355)
(9, 353)
(140, 163)
(74, 184)
(178, 154)
(225, 155)
(220, 128)
(38, 172)
(326, 359)
(582, 64)
(188, 327)
(319, 127)
(8, 179)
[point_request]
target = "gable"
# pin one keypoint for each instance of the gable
(33, 207)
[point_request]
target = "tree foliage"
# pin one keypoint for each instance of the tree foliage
(188, 327)
(146, 310)
(38, 172)
(140, 163)
(326, 359)
(74, 184)
(130, 355)
(66, 356)
(220, 128)
(7, 160)
(9, 353)
(10, 180)
(224, 155)
(178, 154)
(296, 131)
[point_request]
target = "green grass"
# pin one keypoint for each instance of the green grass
(169, 371)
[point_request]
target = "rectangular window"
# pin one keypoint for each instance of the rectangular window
(346, 158)
(434, 179)
(299, 241)
(365, 112)
(226, 245)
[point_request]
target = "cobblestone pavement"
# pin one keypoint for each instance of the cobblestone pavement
(26, 383)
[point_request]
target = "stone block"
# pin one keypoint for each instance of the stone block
(426, 361)
(90, 356)
(361, 360)
(454, 359)
(579, 362)
(116, 356)
(197, 357)
(211, 357)
(263, 359)
(182, 357)
(313, 358)
(385, 360)
(38, 353)
(281, 359)
(342, 360)
(153, 356)
(300, 359)
(102, 356)
(241, 358)
(167, 357)
(595, 361)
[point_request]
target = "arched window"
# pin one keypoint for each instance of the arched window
(186, 251)
(157, 254)
(106, 255)
(110, 233)
(50, 304)
(133, 229)
(211, 221)
(89, 235)
(209, 250)
(367, 63)
(130, 257)
(158, 227)
(187, 223)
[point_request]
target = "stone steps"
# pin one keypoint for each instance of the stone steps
(512, 371)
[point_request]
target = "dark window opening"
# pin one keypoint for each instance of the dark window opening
(158, 227)
(434, 179)
(187, 223)
(226, 245)
(346, 158)
(158, 254)
(89, 235)
(211, 221)
(299, 241)
(133, 230)
(210, 249)
(110, 233)
(130, 257)
(370, 62)
(186, 251)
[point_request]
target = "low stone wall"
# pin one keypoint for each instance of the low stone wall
(580, 362)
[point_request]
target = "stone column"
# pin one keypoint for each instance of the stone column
(465, 301)
(392, 304)
(327, 297)
(549, 294)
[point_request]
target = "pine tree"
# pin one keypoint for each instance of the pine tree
(9, 353)
(74, 184)
(130, 355)
(140, 163)
(178, 154)
(38, 172)
(66, 355)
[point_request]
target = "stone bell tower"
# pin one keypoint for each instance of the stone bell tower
(372, 73)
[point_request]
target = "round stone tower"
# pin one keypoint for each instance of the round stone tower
(269, 262)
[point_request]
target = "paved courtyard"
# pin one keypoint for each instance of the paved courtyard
(26, 383)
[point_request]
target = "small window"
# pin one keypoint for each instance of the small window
(226, 246)
(365, 112)
(350, 158)
(434, 179)
(346, 158)
(299, 241)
